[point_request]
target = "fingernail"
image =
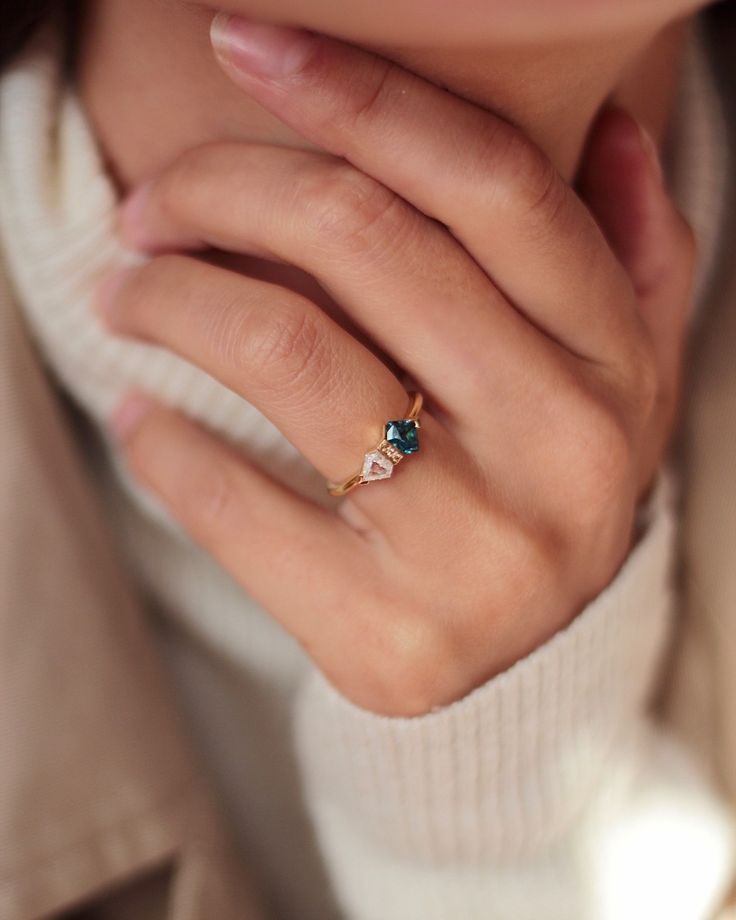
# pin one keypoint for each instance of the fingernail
(129, 415)
(258, 48)
(106, 295)
(652, 151)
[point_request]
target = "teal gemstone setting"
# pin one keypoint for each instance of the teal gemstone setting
(403, 434)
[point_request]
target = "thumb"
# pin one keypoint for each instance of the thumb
(622, 182)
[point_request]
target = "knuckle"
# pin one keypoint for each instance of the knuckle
(532, 566)
(526, 181)
(601, 461)
(351, 212)
(641, 384)
(370, 96)
(288, 349)
(288, 341)
(546, 195)
(527, 552)
(232, 333)
(413, 651)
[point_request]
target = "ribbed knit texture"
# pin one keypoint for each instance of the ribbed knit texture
(532, 796)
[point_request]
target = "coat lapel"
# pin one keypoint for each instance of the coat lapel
(97, 782)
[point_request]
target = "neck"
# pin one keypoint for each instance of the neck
(152, 88)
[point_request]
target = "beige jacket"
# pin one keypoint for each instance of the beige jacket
(103, 808)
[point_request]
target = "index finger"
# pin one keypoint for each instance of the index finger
(458, 163)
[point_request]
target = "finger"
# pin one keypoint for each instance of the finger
(479, 176)
(401, 277)
(622, 180)
(328, 394)
(292, 556)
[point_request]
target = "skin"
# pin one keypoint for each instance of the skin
(523, 501)
(526, 62)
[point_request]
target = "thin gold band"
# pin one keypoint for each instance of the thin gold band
(387, 450)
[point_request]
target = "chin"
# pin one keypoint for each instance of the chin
(471, 22)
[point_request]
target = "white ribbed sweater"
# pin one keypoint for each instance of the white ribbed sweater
(545, 793)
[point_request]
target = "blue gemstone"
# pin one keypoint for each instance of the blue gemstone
(403, 435)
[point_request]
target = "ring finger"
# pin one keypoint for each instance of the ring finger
(326, 392)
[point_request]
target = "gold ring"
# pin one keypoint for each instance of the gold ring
(401, 439)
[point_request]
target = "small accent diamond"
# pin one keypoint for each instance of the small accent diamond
(390, 451)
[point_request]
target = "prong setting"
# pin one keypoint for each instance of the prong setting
(401, 440)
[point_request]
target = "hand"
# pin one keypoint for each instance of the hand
(549, 357)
